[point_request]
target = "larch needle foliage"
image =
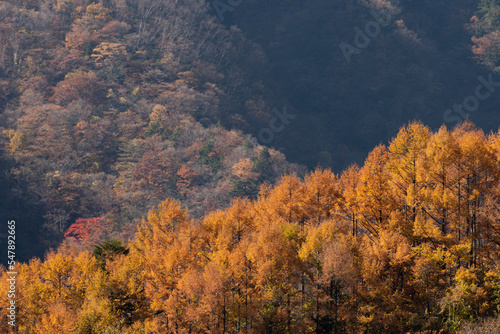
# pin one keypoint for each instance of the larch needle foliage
(407, 243)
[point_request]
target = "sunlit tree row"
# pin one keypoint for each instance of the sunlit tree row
(409, 242)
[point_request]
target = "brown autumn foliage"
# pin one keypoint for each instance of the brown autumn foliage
(108, 107)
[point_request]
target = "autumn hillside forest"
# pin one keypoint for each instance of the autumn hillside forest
(250, 166)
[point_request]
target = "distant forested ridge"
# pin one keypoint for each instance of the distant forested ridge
(107, 108)
(409, 242)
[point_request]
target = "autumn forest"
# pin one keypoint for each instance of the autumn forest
(198, 167)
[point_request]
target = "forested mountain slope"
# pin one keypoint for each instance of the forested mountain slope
(109, 107)
(98, 97)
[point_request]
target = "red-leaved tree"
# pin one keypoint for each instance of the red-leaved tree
(87, 231)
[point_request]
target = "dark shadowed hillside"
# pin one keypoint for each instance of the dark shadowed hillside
(418, 66)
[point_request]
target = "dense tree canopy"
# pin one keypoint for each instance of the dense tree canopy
(408, 242)
(112, 109)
